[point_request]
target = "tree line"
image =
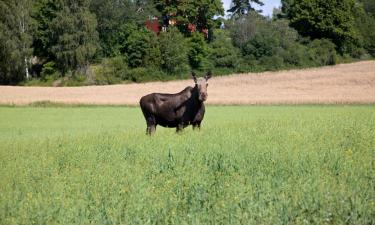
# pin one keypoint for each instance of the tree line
(81, 42)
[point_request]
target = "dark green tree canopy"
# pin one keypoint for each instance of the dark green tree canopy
(332, 19)
(369, 6)
(174, 52)
(243, 7)
(16, 27)
(201, 13)
(74, 29)
(113, 15)
(44, 12)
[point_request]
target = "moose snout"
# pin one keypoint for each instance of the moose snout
(203, 96)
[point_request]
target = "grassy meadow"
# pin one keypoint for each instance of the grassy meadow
(247, 165)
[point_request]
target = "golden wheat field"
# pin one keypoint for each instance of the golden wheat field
(352, 83)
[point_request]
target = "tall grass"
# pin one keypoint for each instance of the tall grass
(248, 165)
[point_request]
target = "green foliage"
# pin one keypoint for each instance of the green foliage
(241, 31)
(113, 17)
(49, 69)
(44, 12)
(221, 50)
(174, 52)
(365, 24)
(141, 74)
(323, 52)
(112, 70)
(243, 7)
(325, 19)
(295, 56)
(369, 7)
(111, 36)
(200, 13)
(11, 65)
(272, 45)
(248, 165)
(77, 38)
(142, 49)
(16, 27)
(261, 45)
(198, 51)
(110, 16)
(272, 63)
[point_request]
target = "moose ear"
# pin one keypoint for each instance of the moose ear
(208, 75)
(194, 76)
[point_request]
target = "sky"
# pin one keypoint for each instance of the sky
(267, 7)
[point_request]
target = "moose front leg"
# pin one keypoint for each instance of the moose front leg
(150, 129)
(179, 127)
(197, 125)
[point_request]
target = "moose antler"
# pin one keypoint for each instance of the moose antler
(208, 75)
(194, 76)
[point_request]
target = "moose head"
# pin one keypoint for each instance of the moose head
(201, 84)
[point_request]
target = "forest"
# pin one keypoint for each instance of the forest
(98, 42)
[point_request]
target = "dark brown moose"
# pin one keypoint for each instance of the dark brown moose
(176, 110)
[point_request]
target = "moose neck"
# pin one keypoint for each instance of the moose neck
(195, 95)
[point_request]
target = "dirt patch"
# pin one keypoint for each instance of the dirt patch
(341, 84)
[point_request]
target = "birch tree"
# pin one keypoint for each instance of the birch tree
(15, 40)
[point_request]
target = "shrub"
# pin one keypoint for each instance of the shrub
(174, 52)
(112, 70)
(272, 62)
(142, 49)
(142, 74)
(295, 56)
(198, 51)
(222, 52)
(366, 27)
(49, 70)
(322, 52)
(334, 20)
(261, 45)
(242, 30)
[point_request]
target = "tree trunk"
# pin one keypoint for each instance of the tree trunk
(23, 32)
(26, 69)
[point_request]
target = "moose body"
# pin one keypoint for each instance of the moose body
(176, 110)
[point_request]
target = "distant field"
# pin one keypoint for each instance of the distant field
(248, 165)
(341, 84)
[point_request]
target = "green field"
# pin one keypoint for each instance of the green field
(248, 165)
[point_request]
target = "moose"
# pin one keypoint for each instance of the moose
(176, 110)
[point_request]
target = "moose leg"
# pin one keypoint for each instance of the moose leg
(179, 127)
(151, 125)
(197, 125)
(150, 129)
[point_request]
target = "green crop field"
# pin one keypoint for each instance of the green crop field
(247, 165)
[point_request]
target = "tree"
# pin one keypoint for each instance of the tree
(369, 6)
(243, 7)
(15, 40)
(322, 52)
(74, 28)
(201, 13)
(324, 19)
(222, 52)
(174, 52)
(44, 12)
(241, 31)
(142, 49)
(113, 16)
(198, 51)
(365, 24)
